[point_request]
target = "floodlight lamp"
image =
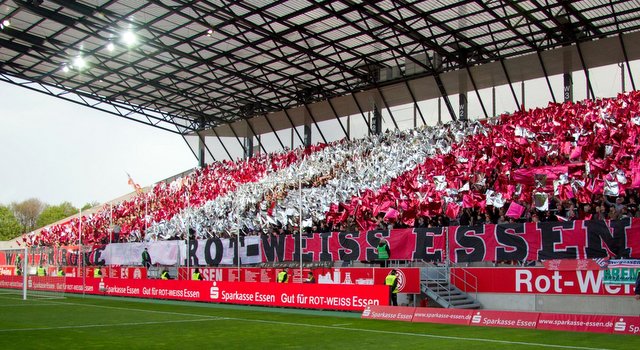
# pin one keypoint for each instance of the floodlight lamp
(79, 62)
(110, 46)
(128, 38)
(210, 32)
(6, 23)
(65, 68)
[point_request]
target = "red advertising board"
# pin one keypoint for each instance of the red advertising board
(446, 316)
(311, 296)
(578, 323)
(537, 280)
(572, 264)
(392, 313)
(7, 270)
(509, 319)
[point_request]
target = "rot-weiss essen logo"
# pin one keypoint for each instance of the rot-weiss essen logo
(402, 279)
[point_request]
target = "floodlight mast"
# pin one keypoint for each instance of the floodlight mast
(300, 219)
(24, 273)
(80, 257)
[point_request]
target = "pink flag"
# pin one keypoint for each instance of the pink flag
(515, 210)
(391, 214)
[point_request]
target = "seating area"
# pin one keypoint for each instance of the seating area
(563, 162)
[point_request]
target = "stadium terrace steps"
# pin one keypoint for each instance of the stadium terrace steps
(448, 295)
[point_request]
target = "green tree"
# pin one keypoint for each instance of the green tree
(90, 205)
(53, 213)
(9, 226)
(27, 212)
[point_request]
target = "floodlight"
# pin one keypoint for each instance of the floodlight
(129, 38)
(65, 68)
(6, 23)
(209, 32)
(110, 46)
(79, 62)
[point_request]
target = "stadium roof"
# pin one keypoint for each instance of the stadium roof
(188, 66)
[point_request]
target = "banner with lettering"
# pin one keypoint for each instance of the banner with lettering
(622, 271)
(511, 242)
(538, 280)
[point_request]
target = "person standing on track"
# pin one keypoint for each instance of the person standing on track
(392, 281)
(196, 275)
(637, 290)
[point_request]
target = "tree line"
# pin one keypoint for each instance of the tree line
(31, 214)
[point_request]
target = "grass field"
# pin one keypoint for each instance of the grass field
(122, 323)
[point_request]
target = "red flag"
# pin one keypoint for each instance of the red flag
(452, 210)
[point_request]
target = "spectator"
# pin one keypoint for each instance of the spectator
(146, 258)
(384, 252)
(310, 278)
(637, 289)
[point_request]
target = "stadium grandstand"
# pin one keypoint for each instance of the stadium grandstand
(323, 128)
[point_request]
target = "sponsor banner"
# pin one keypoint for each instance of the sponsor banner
(537, 280)
(622, 275)
(311, 296)
(572, 265)
(125, 272)
(624, 263)
(509, 319)
(622, 271)
(7, 270)
(577, 323)
(391, 313)
(408, 278)
(627, 325)
(515, 319)
(445, 316)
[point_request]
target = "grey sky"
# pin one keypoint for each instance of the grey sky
(58, 151)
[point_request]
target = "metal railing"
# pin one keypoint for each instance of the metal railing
(469, 281)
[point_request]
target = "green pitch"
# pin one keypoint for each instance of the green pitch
(121, 323)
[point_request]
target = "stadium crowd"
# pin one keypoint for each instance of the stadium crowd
(564, 162)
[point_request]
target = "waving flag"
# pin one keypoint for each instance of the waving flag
(135, 186)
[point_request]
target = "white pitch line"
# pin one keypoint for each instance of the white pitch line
(130, 309)
(106, 325)
(425, 335)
